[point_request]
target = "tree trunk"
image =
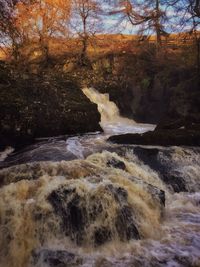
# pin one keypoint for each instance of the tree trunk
(83, 59)
(198, 54)
(84, 40)
(157, 24)
(15, 50)
(44, 35)
(197, 8)
(45, 48)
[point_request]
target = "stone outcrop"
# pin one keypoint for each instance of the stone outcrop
(176, 137)
(41, 107)
(150, 90)
(79, 213)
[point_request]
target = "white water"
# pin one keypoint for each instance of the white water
(111, 121)
(4, 154)
(81, 146)
(170, 236)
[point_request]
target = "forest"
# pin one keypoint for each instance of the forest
(24, 23)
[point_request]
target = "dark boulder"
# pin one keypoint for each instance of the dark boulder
(157, 194)
(172, 164)
(125, 225)
(187, 123)
(163, 167)
(118, 164)
(175, 137)
(73, 214)
(78, 212)
(102, 235)
(42, 107)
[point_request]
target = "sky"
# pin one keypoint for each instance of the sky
(173, 25)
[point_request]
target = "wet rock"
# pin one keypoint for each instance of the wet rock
(42, 107)
(55, 258)
(188, 122)
(96, 208)
(168, 163)
(102, 235)
(73, 214)
(157, 193)
(76, 215)
(34, 170)
(116, 164)
(179, 137)
(178, 167)
(79, 211)
(164, 168)
(125, 224)
(119, 193)
(15, 139)
(177, 183)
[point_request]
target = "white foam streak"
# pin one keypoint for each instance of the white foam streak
(4, 154)
(75, 147)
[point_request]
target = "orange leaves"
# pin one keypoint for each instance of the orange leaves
(42, 18)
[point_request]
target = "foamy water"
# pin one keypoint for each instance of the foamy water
(124, 203)
(80, 201)
(111, 121)
(4, 154)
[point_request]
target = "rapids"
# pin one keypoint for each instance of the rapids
(81, 201)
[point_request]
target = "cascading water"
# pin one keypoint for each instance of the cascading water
(108, 110)
(113, 205)
(111, 121)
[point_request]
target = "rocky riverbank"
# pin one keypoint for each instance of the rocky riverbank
(147, 87)
(171, 131)
(178, 137)
(42, 106)
(44, 98)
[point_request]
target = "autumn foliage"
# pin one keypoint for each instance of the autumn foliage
(82, 23)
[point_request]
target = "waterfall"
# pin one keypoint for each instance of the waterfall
(114, 205)
(111, 121)
(108, 110)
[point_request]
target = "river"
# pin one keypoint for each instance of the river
(81, 201)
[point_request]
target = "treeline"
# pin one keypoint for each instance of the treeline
(23, 22)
